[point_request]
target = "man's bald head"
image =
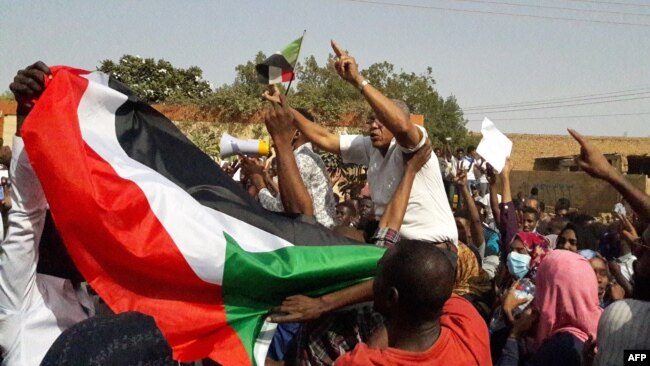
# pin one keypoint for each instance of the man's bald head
(415, 278)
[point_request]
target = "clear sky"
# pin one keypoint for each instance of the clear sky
(482, 59)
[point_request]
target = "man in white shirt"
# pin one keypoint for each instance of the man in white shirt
(391, 134)
(34, 308)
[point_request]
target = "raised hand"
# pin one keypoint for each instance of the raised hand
(460, 179)
(511, 301)
(508, 167)
(251, 166)
(279, 121)
(591, 160)
(272, 94)
(490, 174)
(627, 230)
(525, 323)
(29, 84)
(417, 160)
(346, 66)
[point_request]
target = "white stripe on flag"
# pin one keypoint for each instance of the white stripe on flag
(196, 230)
(275, 75)
(263, 342)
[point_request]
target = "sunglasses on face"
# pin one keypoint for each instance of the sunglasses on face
(562, 240)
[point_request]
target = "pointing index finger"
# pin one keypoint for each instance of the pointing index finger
(338, 50)
(578, 137)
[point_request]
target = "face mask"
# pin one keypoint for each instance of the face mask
(518, 264)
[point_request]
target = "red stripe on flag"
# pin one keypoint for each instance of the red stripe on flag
(114, 238)
(287, 75)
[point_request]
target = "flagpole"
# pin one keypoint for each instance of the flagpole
(286, 92)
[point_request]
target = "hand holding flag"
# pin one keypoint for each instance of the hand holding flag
(272, 94)
(279, 121)
(29, 83)
(278, 67)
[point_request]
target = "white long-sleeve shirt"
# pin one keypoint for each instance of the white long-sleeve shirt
(34, 308)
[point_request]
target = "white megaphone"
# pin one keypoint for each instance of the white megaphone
(230, 146)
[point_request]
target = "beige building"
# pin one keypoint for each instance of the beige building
(547, 162)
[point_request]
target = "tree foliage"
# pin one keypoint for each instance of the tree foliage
(241, 99)
(158, 81)
(318, 88)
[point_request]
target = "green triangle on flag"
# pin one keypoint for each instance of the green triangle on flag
(291, 51)
(278, 67)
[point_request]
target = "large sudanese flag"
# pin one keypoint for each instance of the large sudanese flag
(278, 67)
(155, 226)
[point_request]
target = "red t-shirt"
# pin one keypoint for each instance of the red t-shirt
(463, 341)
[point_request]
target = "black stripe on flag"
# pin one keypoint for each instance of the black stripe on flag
(153, 140)
(276, 60)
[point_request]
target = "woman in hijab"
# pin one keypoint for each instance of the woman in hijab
(472, 282)
(527, 252)
(566, 309)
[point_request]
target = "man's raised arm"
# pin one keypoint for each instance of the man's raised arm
(592, 161)
(293, 192)
(316, 133)
(393, 118)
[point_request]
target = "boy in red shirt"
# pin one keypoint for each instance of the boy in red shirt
(425, 323)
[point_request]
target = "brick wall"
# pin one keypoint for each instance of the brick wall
(586, 193)
(528, 147)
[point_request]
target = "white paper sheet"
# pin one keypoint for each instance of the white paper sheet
(494, 147)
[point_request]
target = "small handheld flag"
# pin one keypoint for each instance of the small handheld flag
(279, 66)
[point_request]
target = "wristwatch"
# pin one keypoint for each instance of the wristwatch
(363, 84)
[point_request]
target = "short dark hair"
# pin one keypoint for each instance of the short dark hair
(534, 191)
(530, 210)
(563, 204)
(471, 148)
(557, 224)
(460, 149)
(349, 205)
(423, 276)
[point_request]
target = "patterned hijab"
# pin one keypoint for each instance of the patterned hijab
(470, 278)
(537, 246)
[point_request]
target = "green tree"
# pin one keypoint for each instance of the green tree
(158, 81)
(442, 117)
(323, 92)
(241, 99)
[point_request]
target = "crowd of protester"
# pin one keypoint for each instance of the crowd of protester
(471, 275)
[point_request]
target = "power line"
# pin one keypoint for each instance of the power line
(558, 101)
(562, 99)
(569, 117)
(554, 7)
(610, 3)
(468, 11)
(560, 106)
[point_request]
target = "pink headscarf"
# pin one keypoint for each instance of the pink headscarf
(566, 296)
